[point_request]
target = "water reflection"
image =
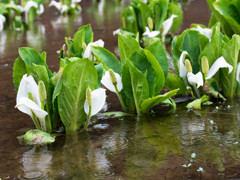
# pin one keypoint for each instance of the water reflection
(143, 148)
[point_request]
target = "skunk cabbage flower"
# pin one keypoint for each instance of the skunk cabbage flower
(2, 21)
(24, 103)
(117, 31)
(167, 24)
(205, 31)
(88, 53)
(182, 68)
(98, 98)
(59, 6)
(219, 63)
(238, 73)
(107, 82)
(150, 34)
(31, 4)
(195, 79)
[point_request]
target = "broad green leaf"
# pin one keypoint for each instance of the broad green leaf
(77, 77)
(19, 69)
(159, 53)
(87, 32)
(160, 12)
(173, 82)
(107, 59)
(231, 54)
(129, 20)
(57, 90)
(174, 8)
(78, 40)
(172, 104)
(127, 46)
(146, 63)
(149, 103)
(140, 87)
(196, 104)
(99, 68)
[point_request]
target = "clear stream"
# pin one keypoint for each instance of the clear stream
(153, 147)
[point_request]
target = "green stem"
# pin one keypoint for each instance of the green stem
(196, 91)
(120, 99)
(88, 118)
(34, 118)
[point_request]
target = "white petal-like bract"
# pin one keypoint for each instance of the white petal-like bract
(219, 63)
(2, 21)
(88, 53)
(56, 4)
(195, 79)
(117, 31)
(238, 73)
(205, 31)
(106, 81)
(149, 33)
(98, 100)
(182, 68)
(167, 24)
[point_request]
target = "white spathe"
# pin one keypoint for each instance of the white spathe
(149, 33)
(88, 52)
(2, 21)
(182, 68)
(238, 73)
(59, 6)
(219, 63)
(195, 79)
(167, 24)
(98, 101)
(40, 10)
(117, 31)
(205, 31)
(26, 105)
(106, 81)
(27, 8)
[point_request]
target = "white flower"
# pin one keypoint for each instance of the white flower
(193, 155)
(40, 10)
(238, 73)
(26, 105)
(205, 31)
(187, 165)
(195, 79)
(98, 100)
(88, 53)
(149, 33)
(59, 6)
(28, 6)
(200, 169)
(2, 21)
(219, 63)
(106, 81)
(76, 1)
(117, 31)
(182, 68)
(167, 24)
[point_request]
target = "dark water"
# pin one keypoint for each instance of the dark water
(153, 147)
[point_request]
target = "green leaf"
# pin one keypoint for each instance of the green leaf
(172, 104)
(160, 54)
(149, 103)
(140, 87)
(107, 59)
(127, 46)
(173, 82)
(19, 70)
(129, 20)
(76, 78)
(160, 12)
(78, 40)
(231, 54)
(116, 114)
(99, 68)
(175, 8)
(196, 104)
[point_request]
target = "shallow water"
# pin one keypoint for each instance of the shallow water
(153, 147)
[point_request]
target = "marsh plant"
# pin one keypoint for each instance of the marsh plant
(206, 64)
(11, 11)
(73, 95)
(66, 6)
(227, 13)
(150, 21)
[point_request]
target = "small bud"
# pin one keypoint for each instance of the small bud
(205, 65)
(30, 96)
(124, 22)
(84, 46)
(113, 77)
(42, 92)
(150, 23)
(89, 97)
(188, 65)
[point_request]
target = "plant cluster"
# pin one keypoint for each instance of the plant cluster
(152, 20)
